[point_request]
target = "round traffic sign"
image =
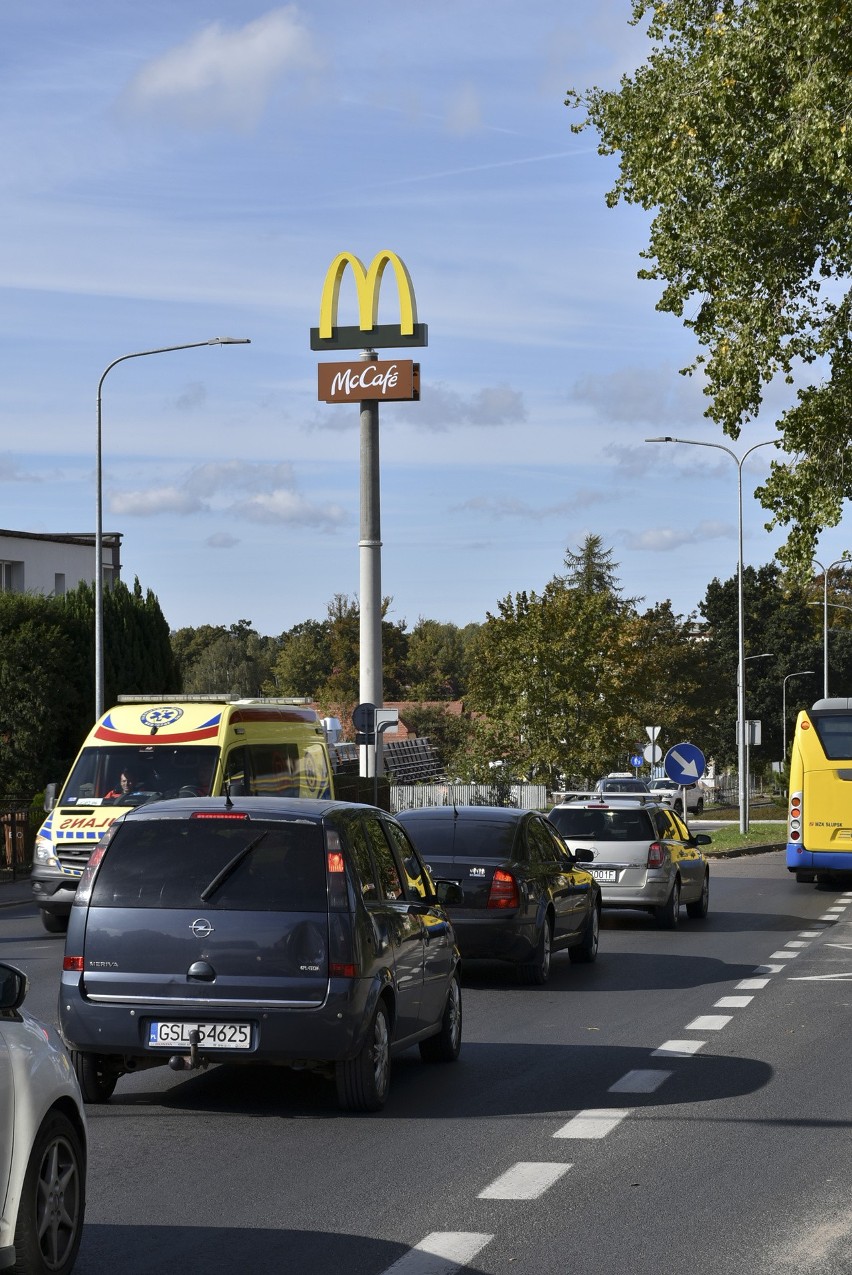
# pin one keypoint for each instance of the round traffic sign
(652, 753)
(636, 759)
(684, 763)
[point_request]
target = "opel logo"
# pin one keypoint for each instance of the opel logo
(201, 928)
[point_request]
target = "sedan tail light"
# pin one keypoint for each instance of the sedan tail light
(656, 855)
(504, 891)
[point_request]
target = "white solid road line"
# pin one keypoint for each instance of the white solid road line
(594, 1123)
(679, 1049)
(526, 1180)
(640, 1081)
(441, 1253)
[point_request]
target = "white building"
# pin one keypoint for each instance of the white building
(32, 562)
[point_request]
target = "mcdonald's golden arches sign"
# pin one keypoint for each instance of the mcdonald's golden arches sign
(369, 334)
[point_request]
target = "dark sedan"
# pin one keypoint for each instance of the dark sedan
(523, 893)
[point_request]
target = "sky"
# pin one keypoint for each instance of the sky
(176, 172)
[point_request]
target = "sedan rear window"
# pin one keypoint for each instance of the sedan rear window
(222, 864)
(579, 824)
(463, 838)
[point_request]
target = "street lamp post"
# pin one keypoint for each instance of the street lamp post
(803, 673)
(764, 655)
(741, 727)
(99, 566)
(825, 572)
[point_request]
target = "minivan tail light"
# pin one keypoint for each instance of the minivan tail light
(338, 969)
(335, 868)
(84, 889)
(74, 964)
(504, 891)
(219, 814)
(656, 855)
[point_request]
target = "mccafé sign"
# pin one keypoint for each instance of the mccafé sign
(369, 334)
(379, 379)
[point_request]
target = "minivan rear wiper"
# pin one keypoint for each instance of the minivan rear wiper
(232, 865)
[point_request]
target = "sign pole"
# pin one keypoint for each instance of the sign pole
(370, 573)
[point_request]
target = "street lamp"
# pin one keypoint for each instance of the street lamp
(741, 728)
(804, 673)
(99, 566)
(825, 571)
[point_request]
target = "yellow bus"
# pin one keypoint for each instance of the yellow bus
(819, 813)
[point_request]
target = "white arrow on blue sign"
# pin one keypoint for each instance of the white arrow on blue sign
(684, 763)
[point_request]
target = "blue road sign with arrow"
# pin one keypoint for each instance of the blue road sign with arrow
(684, 763)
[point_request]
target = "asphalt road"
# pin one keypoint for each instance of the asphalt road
(681, 1106)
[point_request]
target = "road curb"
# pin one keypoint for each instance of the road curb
(740, 851)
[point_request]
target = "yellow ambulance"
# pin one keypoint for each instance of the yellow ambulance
(149, 748)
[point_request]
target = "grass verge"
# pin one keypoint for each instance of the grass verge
(759, 836)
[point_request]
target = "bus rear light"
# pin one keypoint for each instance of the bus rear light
(504, 891)
(656, 855)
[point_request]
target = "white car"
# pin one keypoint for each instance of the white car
(671, 793)
(43, 1141)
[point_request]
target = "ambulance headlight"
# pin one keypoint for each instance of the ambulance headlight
(44, 851)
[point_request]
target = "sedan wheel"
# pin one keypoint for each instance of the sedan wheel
(445, 1047)
(53, 1200)
(537, 971)
(667, 915)
(586, 951)
(363, 1081)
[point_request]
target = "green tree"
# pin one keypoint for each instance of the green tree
(235, 661)
(303, 663)
(735, 131)
(436, 667)
(45, 691)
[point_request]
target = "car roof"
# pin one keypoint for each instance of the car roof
(486, 814)
(257, 807)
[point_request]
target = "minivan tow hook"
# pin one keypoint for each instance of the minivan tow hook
(180, 1062)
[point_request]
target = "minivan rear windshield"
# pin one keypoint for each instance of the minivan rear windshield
(835, 734)
(581, 824)
(169, 863)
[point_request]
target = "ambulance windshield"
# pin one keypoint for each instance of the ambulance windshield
(123, 775)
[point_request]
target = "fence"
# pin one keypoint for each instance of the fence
(414, 796)
(18, 826)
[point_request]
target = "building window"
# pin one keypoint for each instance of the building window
(59, 584)
(11, 577)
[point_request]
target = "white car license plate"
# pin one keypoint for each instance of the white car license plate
(218, 1035)
(604, 874)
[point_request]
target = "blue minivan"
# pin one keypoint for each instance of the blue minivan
(258, 930)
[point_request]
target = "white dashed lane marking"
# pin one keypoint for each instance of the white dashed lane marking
(593, 1123)
(732, 1002)
(769, 969)
(526, 1180)
(708, 1023)
(783, 956)
(679, 1049)
(640, 1081)
(796, 943)
(751, 984)
(441, 1253)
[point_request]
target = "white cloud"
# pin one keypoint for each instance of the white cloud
(221, 540)
(240, 475)
(652, 395)
(225, 77)
(153, 502)
(288, 507)
(663, 539)
(10, 472)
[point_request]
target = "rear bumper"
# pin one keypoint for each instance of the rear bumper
(652, 893)
(326, 1033)
(492, 936)
(817, 860)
